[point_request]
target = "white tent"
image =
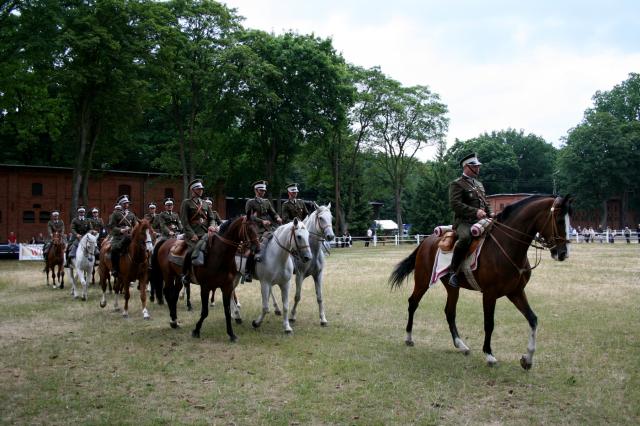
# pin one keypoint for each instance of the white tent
(386, 225)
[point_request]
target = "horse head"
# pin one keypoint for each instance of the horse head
(88, 244)
(322, 219)
(142, 237)
(557, 233)
(300, 237)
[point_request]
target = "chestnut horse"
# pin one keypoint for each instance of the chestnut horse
(218, 271)
(134, 265)
(503, 266)
(55, 257)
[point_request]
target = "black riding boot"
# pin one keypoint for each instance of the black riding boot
(186, 267)
(248, 269)
(115, 263)
(459, 253)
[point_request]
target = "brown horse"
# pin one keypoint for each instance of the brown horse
(134, 265)
(55, 257)
(218, 271)
(503, 266)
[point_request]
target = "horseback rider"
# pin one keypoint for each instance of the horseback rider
(121, 223)
(469, 204)
(80, 225)
(293, 207)
(199, 220)
(259, 210)
(54, 225)
(153, 217)
(169, 221)
(97, 224)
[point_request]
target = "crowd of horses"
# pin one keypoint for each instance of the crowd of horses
(299, 247)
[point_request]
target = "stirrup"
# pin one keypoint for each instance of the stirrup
(184, 279)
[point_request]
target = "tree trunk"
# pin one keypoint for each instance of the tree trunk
(398, 202)
(182, 148)
(603, 220)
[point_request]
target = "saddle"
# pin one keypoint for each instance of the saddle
(448, 240)
(177, 252)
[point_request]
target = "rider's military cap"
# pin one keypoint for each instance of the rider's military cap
(168, 201)
(260, 184)
(55, 213)
(95, 210)
(470, 159)
(209, 201)
(152, 205)
(123, 199)
(292, 187)
(81, 209)
(196, 184)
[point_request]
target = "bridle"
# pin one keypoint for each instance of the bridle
(540, 242)
(318, 223)
(243, 234)
(292, 237)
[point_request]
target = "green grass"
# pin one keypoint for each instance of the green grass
(70, 362)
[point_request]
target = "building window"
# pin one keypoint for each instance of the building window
(168, 193)
(36, 188)
(44, 217)
(124, 190)
(28, 216)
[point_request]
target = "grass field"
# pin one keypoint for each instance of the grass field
(70, 362)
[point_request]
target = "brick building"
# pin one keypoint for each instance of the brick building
(28, 194)
(617, 217)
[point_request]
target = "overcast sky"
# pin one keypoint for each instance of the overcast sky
(497, 64)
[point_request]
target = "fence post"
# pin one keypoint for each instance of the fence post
(396, 239)
(375, 240)
(418, 239)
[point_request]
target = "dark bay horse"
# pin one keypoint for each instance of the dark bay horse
(134, 266)
(503, 270)
(55, 257)
(218, 271)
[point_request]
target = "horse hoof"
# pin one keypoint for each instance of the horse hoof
(324, 323)
(212, 304)
(238, 320)
(288, 332)
(125, 315)
(491, 360)
(103, 304)
(409, 343)
(174, 324)
(116, 309)
(278, 313)
(195, 334)
(84, 298)
(255, 324)
(233, 338)
(524, 363)
(292, 320)
(160, 302)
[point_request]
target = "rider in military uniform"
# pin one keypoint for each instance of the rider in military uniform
(153, 217)
(121, 223)
(169, 221)
(198, 220)
(80, 225)
(259, 210)
(469, 204)
(54, 225)
(293, 207)
(97, 224)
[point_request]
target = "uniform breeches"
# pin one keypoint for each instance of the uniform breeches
(463, 232)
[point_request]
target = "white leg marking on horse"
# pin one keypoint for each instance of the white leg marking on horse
(531, 347)
(145, 314)
(409, 339)
(458, 343)
(491, 360)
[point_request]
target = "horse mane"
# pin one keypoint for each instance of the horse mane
(227, 225)
(512, 209)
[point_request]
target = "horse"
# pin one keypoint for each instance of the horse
(503, 266)
(134, 265)
(320, 230)
(218, 270)
(102, 235)
(276, 266)
(83, 263)
(55, 257)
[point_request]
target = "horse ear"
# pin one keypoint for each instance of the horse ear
(295, 222)
(315, 205)
(329, 206)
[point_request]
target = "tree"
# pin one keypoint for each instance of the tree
(410, 119)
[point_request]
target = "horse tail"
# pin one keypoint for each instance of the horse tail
(155, 276)
(403, 270)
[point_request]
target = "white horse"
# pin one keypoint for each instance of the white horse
(83, 263)
(276, 266)
(320, 230)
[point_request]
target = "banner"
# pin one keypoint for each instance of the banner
(31, 252)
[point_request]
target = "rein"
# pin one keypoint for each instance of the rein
(292, 252)
(243, 234)
(543, 244)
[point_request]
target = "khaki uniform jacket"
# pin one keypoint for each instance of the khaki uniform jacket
(259, 209)
(96, 223)
(293, 208)
(196, 217)
(117, 222)
(153, 221)
(80, 226)
(466, 196)
(169, 222)
(55, 226)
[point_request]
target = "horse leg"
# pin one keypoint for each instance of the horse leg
(204, 310)
(171, 291)
(519, 299)
(276, 308)
(213, 298)
(450, 313)
(284, 290)
(143, 295)
(318, 282)
(187, 290)
(297, 297)
(61, 275)
(226, 302)
(266, 291)
(127, 295)
(489, 308)
(419, 290)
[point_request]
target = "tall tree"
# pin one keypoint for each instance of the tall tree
(411, 118)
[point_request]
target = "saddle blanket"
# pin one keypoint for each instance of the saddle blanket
(443, 261)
